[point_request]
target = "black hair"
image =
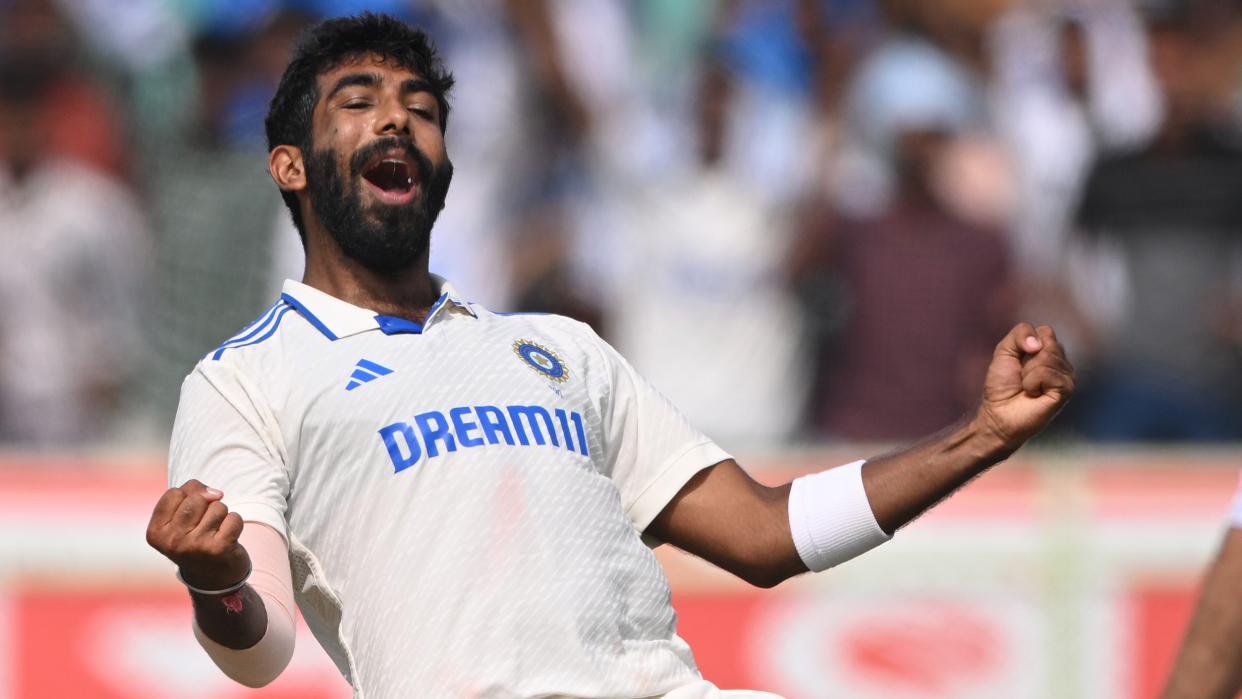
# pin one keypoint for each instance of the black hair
(330, 44)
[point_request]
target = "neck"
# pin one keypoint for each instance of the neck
(409, 293)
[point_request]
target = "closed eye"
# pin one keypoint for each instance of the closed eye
(356, 105)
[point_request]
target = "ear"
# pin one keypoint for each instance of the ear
(287, 169)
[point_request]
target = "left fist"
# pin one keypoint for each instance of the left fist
(1028, 382)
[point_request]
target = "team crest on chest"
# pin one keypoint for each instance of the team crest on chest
(542, 360)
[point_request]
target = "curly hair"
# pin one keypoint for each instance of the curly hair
(330, 44)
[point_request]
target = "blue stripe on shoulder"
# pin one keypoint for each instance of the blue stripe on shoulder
(255, 327)
(310, 317)
(272, 327)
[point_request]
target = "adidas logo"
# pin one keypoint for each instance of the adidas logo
(366, 371)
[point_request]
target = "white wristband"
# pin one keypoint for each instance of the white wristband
(217, 593)
(831, 518)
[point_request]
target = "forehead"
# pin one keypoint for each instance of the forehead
(385, 68)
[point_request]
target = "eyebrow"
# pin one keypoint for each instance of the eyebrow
(373, 79)
(364, 79)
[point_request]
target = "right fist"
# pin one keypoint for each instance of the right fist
(194, 529)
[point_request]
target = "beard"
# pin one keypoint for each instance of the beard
(384, 238)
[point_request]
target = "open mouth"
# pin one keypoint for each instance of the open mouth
(392, 178)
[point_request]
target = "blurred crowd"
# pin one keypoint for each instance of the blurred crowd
(802, 220)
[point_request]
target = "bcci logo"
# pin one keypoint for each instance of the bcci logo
(542, 360)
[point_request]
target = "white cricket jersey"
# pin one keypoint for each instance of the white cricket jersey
(463, 499)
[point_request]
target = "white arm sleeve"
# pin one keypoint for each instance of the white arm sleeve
(259, 664)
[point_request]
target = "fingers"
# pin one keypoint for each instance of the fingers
(1049, 369)
(211, 519)
(1046, 379)
(190, 512)
(1022, 339)
(186, 518)
(167, 505)
(172, 499)
(195, 487)
(230, 529)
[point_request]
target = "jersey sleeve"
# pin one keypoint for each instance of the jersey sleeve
(650, 449)
(226, 437)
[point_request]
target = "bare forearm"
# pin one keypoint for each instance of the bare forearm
(1210, 663)
(237, 621)
(903, 484)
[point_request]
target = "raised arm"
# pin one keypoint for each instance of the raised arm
(243, 603)
(1209, 665)
(764, 535)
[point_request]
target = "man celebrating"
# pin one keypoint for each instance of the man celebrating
(458, 499)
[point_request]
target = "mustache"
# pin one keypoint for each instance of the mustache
(381, 145)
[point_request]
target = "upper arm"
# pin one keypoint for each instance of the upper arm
(225, 437)
(727, 518)
(679, 487)
(650, 450)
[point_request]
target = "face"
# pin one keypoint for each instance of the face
(377, 173)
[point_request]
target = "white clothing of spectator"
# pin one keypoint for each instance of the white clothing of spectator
(73, 246)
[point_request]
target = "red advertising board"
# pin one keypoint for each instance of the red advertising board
(1043, 581)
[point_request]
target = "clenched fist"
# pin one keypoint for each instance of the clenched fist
(194, 529)
(1028, 382)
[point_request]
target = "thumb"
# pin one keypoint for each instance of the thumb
(1021, 340)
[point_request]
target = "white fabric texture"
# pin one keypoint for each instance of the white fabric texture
(463, 502)
(261, 663)
(707, 690)
(831, 518)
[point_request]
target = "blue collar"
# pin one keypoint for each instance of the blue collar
(336, 318)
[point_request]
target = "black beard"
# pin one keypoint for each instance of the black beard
(385, 239)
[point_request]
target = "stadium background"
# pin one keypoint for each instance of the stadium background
(805, 220)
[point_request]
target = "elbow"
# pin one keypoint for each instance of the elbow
(258, 672)
(258, 680)
(767, 572)
(764, 580)
(260, 664)
(262, 671)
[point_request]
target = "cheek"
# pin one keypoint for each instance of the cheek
(432, 144)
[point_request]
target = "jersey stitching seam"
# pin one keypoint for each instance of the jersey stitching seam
(312, 562)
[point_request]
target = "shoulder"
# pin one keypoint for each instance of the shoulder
(270, 332)
(561, 337)
(543, 322)
(264, 349)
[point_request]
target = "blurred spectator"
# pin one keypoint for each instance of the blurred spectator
(701, 308)
(1069, 83)
(925, 288)
(1168, 364)
(35, 35)
(516, 114)
(72, 252)
(224, 238)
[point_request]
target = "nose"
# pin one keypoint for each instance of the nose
(394, 119)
